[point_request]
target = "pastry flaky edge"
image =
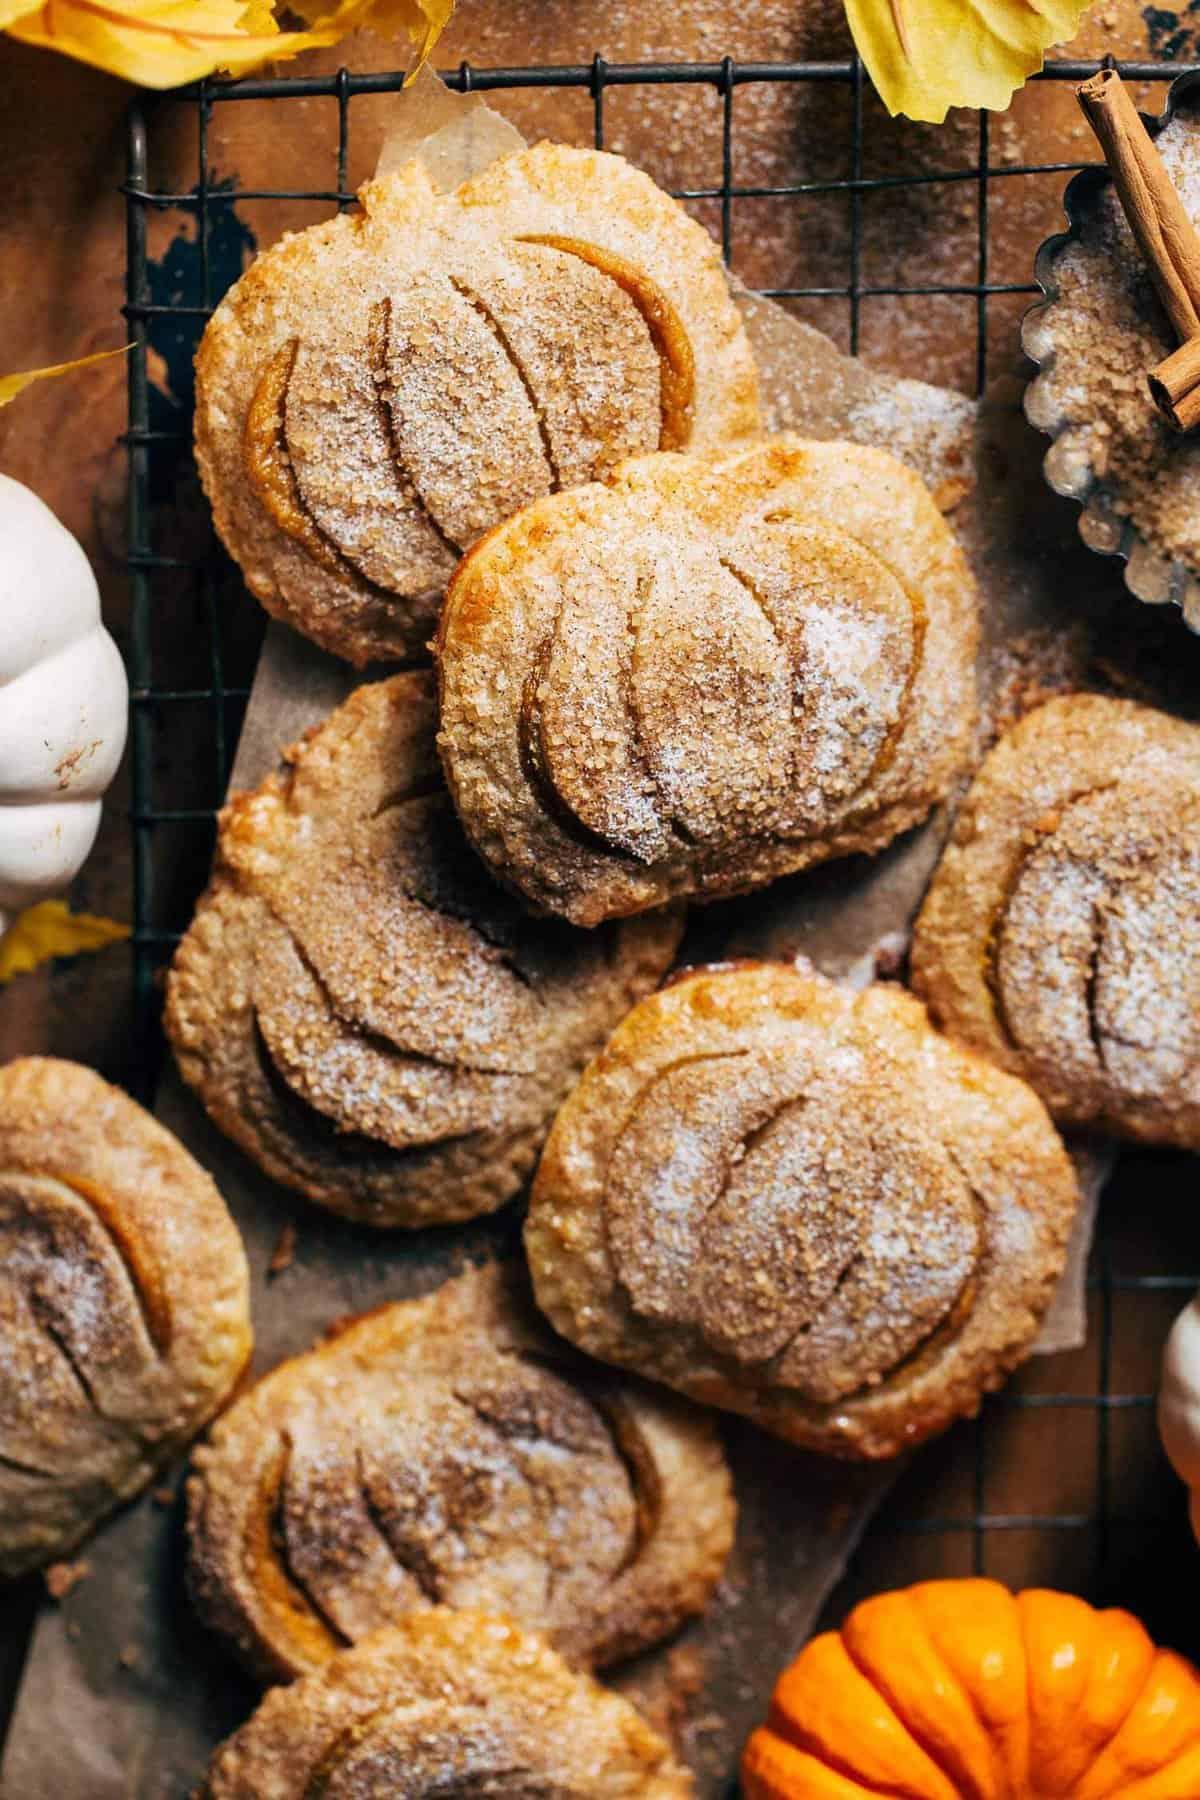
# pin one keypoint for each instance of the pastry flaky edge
(550, 191)
(464, 1688)
(1067, 751)
(1006, 1131)
(865, 495)
(681, 1484)
(60, 1123)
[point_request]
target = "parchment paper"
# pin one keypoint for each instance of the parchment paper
(124, 1695)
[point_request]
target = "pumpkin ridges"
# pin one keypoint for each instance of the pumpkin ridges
(1060, 1633)
(1076, 1704)
(825, 1705)
(63, 721)
(1121, 1658)
(775, 1770)
(1179, 1403)
(887, 1639)
(1161, 1728)
(976, 1629)
(1180, 1781)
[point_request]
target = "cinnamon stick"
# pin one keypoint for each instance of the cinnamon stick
(1164, 233)
(1175, 385)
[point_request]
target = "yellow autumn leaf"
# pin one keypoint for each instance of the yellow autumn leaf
(50, 929)
(925, 56)
(162, 43)
(12, 385)
(422, 21)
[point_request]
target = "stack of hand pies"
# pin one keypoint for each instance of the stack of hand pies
(673, 661)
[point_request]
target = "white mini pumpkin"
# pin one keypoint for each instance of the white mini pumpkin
(1179, 1402)
(63, 702)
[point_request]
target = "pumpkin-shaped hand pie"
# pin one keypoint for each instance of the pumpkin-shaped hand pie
(124, 1304)
(378, 390)
(447, 1706)
(451, 1449)
(1061, 935)
(359, 1008)
(705, 674)
(801, 1203)
(959, 1690)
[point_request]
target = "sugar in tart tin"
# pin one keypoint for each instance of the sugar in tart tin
(1099, 330)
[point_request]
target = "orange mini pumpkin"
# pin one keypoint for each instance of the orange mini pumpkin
(959, 1690)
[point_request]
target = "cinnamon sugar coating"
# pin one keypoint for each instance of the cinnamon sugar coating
(1061, 934)
(355, 1003)
(452, 1450)
(378, 390)
(801, 1203)
(124, 1304)
(447, 1706)
(704, 674)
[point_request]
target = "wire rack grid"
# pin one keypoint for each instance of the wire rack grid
(951, 1503)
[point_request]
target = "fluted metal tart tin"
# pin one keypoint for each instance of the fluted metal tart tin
(1151, 573)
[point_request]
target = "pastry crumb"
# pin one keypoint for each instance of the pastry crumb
(284, 1253)
(62, 1578)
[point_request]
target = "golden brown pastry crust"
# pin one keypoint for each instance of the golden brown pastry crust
(446, 1706)
(124, 1304)
(705, 674)
(802, 1204)
(381, 388)
(1061, 934)
(451, 1450)
(356, 1004)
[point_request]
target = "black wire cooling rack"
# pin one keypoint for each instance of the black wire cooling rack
(1061, 1480)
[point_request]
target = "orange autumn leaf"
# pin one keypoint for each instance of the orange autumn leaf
(925, 56)
(50, 929)
(162, 43)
